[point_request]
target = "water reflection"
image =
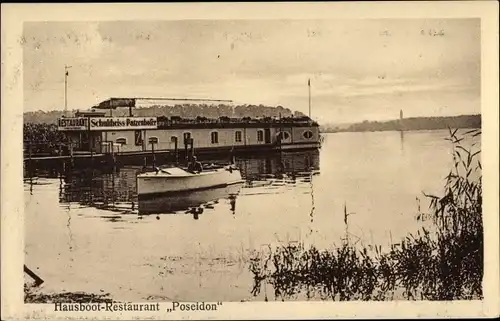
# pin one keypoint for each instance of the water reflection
(193, 202)
(115, 189)
(402, 141)
(291, 163)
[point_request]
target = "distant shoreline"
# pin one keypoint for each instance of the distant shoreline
(396, 131)
(408, 124)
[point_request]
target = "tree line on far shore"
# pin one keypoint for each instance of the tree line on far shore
(407, 124)
(183, 111)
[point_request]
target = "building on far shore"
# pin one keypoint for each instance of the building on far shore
(100, 133)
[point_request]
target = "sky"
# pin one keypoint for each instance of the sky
(359, 69)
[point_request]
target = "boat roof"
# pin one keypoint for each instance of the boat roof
(172, 171)
(178, 172)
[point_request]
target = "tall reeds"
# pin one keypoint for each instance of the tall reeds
(442, 262)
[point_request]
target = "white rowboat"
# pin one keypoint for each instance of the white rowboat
(176, 179)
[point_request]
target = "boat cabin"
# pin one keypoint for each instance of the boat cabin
(102, 132)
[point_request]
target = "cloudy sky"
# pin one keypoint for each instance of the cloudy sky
(359, 69)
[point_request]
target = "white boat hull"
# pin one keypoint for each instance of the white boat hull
(178, 180)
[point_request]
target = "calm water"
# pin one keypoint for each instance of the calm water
(86, 231)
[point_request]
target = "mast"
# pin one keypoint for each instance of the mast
(280, 137)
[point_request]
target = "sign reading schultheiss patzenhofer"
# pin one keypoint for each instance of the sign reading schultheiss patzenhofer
(109, 123)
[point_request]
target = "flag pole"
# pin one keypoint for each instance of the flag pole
(66, 90)
(309, 85)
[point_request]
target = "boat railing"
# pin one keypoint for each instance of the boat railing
(165, 121)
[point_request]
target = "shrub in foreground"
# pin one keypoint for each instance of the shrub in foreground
(442, 262)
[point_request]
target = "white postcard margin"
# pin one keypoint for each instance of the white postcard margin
(12, 227)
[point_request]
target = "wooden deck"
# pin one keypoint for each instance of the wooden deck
(159, 156)
(76, 156)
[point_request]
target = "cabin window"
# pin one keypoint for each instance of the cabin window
(260, 135)
(187, 137)
(215, 137)
(121, 141)
(308, 134)
(153, 140)
(173, 139)
(237, 136)
(283, 135)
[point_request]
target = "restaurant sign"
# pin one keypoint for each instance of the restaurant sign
(107, 123)
(73, 123)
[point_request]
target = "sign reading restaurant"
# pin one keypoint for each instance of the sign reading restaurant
(73, 123)
(107, 123)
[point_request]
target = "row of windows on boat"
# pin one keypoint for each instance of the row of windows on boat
(214, 137)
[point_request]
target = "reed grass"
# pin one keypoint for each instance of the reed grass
(442, 262)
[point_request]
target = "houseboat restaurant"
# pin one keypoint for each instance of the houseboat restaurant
(102, 133)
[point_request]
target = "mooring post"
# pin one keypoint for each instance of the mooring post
(176, 153)
(153, 153)
(113, 159)
(92, 157)
(59, 153)
(61, 171)
(71, 154)
(29, 159)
